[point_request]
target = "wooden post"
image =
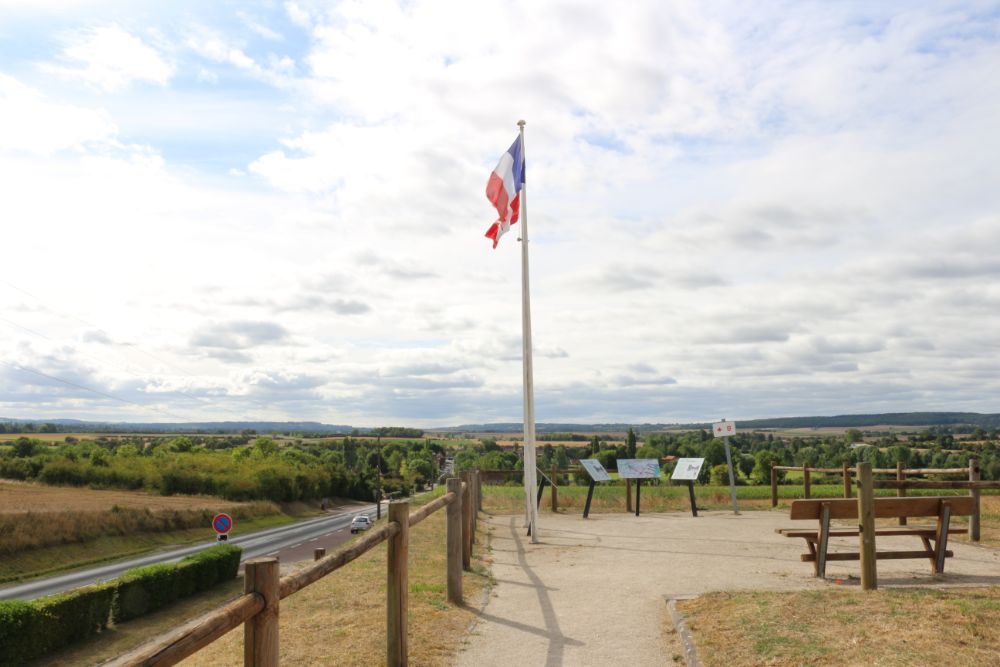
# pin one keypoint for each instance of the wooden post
(866, 527)
(555, 493)
(397, 586)
(774, 486)
(318, 553)
(847, 481)
(806, 481)
(479, 491)
(454, 540)
(974, 476)
(260, 633)
(900, 492)
(628, 495)
(473, 507)
(466, 524)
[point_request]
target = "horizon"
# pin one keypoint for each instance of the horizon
(279, 209)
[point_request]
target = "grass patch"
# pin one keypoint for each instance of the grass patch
(959, 626)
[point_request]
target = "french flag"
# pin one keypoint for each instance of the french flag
(504, 190)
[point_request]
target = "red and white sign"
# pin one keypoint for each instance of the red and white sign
(724, 429)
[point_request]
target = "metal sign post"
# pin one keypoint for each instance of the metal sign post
(723, 430)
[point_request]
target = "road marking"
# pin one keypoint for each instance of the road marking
(314, 539)
(273, 553)
(295, 545)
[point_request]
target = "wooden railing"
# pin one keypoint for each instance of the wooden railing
(258, 608)
(901, 483)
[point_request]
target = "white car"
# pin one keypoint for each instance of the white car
(360, 523)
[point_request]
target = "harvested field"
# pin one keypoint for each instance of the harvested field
(18, 497)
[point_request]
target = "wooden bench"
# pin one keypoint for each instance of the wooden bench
(934, 538)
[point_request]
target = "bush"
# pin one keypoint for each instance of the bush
(144, 589)
(70, 617)
(29, 630)
(147, 589)
(16, 619)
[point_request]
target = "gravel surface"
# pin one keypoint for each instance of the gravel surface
(593, 591)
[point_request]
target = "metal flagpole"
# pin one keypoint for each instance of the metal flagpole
(530, 478)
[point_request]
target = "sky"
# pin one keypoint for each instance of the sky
(276, 210)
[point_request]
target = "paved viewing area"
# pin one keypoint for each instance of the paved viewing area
(593, 591)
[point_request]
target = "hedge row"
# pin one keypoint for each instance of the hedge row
(29, 630)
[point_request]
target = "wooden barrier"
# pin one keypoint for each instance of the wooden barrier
(258, 608)
(318, 553)
(397, 586)
(866, 526)
(846, 472)
(974, 477)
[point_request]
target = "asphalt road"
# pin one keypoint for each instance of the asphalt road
(290, 543)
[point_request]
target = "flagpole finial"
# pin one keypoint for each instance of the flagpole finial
(521, 123)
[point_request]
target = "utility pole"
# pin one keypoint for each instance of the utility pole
(378, 493)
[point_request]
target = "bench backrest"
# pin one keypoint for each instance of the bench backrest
(847, 508)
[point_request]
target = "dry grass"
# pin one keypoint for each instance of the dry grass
(33, 530)
(29, 497)
(959, 626)
(341, 618)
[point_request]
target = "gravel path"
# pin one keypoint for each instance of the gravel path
(593, 591)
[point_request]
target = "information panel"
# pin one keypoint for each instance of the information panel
(638, 468)
(687, 469)
(595, 470)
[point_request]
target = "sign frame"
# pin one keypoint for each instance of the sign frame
(638, 468)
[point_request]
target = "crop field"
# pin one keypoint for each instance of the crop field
(19, 497)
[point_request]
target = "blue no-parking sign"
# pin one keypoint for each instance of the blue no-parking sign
(222, 523)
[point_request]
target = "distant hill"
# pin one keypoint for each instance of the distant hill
(182, 427)
(910, 419)
(922, 419)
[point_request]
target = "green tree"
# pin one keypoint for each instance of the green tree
(630, 444)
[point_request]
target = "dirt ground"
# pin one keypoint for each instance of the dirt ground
(594, 591)
(28, 497)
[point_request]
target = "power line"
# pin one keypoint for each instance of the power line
(25, 369)
(111, 341)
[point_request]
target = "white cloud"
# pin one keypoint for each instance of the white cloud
(734, 210)
(31, 123)
(111, 58)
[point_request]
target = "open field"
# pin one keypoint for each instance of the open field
(28, 497)
(844, 627)
(47, 529)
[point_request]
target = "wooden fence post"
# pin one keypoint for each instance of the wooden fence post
(774, 486)
(555, 493)
(318, 553)
(467, 522)
(900, 492)
(847, 481)
(397, 586)
(974, 476)
(260, 633)
(866, 519)
(454, 540)
(807, 481)
(479, 491)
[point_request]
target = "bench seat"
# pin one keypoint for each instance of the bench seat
(934, 538)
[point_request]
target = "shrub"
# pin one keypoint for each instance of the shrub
(16, 619)
(29, 630)
(70, 617)
(144, 589)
